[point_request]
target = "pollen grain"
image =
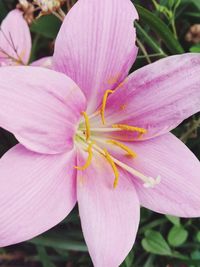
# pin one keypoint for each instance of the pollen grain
(126, 127)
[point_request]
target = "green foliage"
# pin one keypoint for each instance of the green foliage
(174, 220)
(42, 253)
(177, 236)
(155, 243)
(195, 49)
(59, 242)
(160, 28)
(47, 26)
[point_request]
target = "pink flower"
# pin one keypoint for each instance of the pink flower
(80, 135)
(15, 42)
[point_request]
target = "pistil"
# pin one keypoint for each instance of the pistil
(148, 182)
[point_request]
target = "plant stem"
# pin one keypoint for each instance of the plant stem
(155, 47)
(143, 49)
(174, 28)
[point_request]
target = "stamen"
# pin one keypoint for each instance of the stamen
(126, 127)
(87, 125)
(114, 167)
(104, 105)
(124, 147)
(89, 159)
(148, 182)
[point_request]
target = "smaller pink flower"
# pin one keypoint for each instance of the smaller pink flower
(15, 42)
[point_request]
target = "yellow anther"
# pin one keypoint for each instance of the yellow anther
(126, 127)
(114, 167)
(89, 159)
(87, 125)
(124, 147)
(105, 97)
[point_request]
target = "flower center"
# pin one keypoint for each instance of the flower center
(91, 140)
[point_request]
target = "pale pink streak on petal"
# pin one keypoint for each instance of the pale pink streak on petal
(37, 192)
(158, 96)
(45, 62)
(109, 216)
(96, 46)
(15, 39)
(179, 190)
(40, 107)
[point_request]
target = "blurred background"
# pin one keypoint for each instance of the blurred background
(166, 27)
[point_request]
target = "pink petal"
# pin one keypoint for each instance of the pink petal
(40, 107)
(159, 96)
(45, 62)
(96, 46)
(179, 190)
(109, 216)
(37, 192)
(15, 40)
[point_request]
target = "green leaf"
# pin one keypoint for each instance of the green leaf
(155, 243)
(159, 27)
(177, 236)
(195, 49)
(149, 261)
(152, 224)
(193, 14)
(177, 4)
(149, 40)
(171, 3)
(58, 241)
(198, 236)
(196, 3)
(164, 2)
(195, 255)
(129, 260)
(178, 255)
(48, 26)
(173, 219)
(44, 257)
